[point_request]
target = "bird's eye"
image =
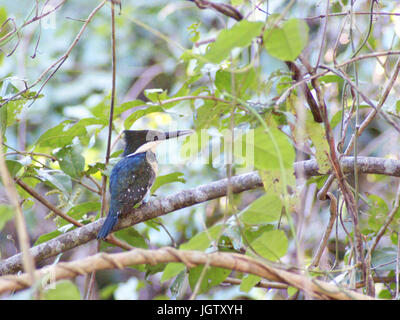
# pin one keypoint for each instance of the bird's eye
(155, 138)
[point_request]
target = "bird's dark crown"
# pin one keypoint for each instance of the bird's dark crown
(134, 139)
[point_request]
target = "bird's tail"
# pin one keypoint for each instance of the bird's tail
(107, 226)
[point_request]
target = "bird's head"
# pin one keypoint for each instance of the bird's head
(137, 141)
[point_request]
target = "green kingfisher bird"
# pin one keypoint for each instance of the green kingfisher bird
(133, 176)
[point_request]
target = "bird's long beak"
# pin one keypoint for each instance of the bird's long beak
(175, 134)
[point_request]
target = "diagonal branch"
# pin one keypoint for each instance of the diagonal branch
(187, 198)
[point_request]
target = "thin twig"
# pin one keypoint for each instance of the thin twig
(262, 284)
(56, 65)
(321, 51)
(325, 238)
(22, 232)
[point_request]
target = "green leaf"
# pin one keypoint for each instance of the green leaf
(265, 209)
(316, 133)
(212, 277)
(337, 118)
(194, 32)
(63, 134)
(384, 259)
(239, 36)
(286, 42)
(291, 291)
(108, 291)
(59, 136)
(202, 240)
(266, 155)
(94, 168)
(271, 245)
(177, 285)
(14, 109)
(168, 178)
(78, 211)
(243, 81)
(253, 232)
(71, 161)
(377, 212)
(64, 290)
(13, 167)
(141, 113)
(273, 180)
(153, 269)
(210, 113)
(385, 294)
(127, 106)
(248, 282)
(6, 214)
(171, 270)
(132, 237)
(48, 236)
(155, 95)
(3, 119)
(56, 179)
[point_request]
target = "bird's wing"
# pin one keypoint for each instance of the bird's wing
(129, 181)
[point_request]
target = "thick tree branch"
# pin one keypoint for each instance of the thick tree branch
(187, 198)
(233, 261)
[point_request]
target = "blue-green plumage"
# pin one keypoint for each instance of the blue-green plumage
(130, 181)
(133, 176)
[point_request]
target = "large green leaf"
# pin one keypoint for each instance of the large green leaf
(377, 213)
(168, 178)
(316, 133)
(132, 237)
(212, 277)
(140, 113)
(239, 36)
(269, 149)
(63, 134)
(56, 179)
(13, 166)
(202, 240)
(248, 282)
(286, 42)
(64, 290)
(48, 236)
(271, 245)
(78, 211)
(265, 209)
(3, 120)
(6, 214)
(210, 113)
(71, 161)
(243, 81)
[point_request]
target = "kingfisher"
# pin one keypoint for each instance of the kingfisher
(133, 176)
